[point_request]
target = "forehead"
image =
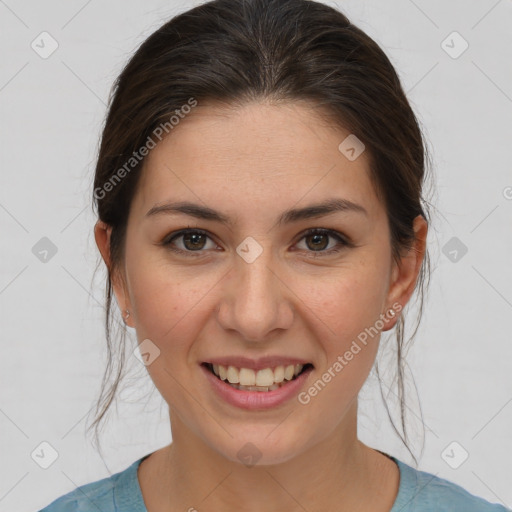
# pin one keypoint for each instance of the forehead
(258, 154)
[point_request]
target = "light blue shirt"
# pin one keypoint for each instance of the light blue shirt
(418, 492)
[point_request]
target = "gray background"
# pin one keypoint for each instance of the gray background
(51, 313)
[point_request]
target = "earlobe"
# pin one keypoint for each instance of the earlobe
(405, 273)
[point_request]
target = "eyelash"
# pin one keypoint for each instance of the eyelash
(342, 241)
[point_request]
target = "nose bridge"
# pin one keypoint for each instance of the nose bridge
(256, 303)
(255, 280)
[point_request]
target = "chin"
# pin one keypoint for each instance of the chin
(260, 448)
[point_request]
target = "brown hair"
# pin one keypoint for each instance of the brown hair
(235, 51)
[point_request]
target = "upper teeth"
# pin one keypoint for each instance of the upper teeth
(264, 377)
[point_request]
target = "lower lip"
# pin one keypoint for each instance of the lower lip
(256, 399)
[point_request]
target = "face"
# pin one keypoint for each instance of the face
(257, 289)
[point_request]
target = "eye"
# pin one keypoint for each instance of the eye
(193, 241)
(317, 238)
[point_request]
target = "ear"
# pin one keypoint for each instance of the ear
(405, 274)
(102, 233)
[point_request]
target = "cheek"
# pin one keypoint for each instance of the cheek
(166, 298)
(347, 300)
(344, 308)
(168, 311)
(350, 344)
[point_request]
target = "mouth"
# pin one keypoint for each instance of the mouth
(261, 380)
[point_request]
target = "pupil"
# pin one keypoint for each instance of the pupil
(192, 236)
(316, 238)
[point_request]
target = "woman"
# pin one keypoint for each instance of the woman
(259, 194)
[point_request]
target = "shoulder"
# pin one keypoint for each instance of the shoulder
(97, 494)
(423, 492)
(101, 495)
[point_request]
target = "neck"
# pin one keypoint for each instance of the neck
(336, 474)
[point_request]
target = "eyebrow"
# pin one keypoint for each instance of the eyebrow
(294, 215)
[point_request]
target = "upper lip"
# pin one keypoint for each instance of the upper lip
(257, 364)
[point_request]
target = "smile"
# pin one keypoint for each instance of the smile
(255, 385)
(263, 380)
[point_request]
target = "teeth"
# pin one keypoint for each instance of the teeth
(289, 371)
(232, 375)
(279, 374)
(247, 377)
(265, 379)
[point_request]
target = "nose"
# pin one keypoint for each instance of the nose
(256, 301)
